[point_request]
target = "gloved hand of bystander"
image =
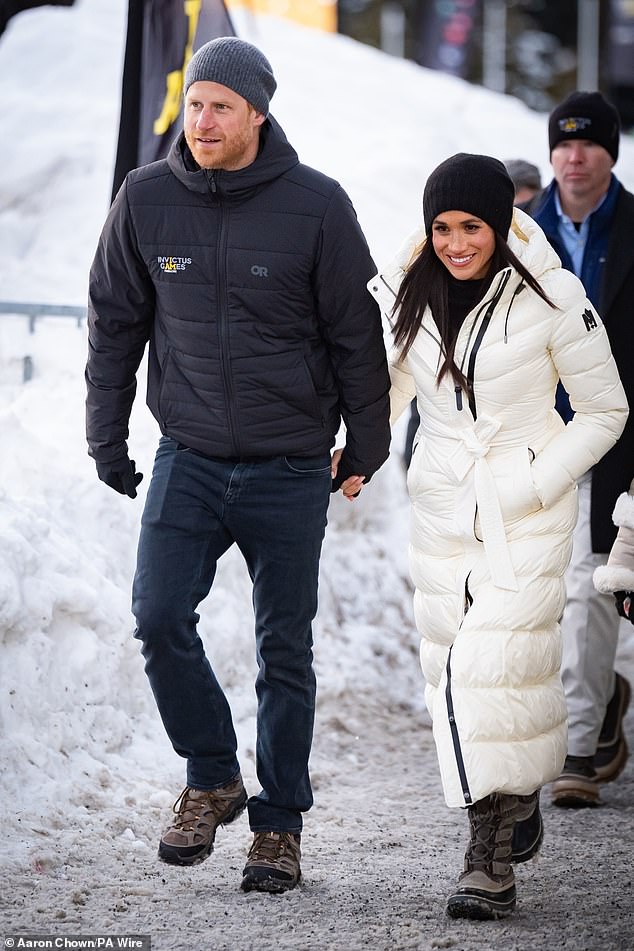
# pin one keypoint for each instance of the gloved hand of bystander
(624, 604)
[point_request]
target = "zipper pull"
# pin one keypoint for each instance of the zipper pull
(211, 178)
(458, 392)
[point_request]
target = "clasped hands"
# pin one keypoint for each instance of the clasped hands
(351, 487)
(123, 477)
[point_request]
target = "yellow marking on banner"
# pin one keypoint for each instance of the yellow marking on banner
(174, 80)
(321, 14)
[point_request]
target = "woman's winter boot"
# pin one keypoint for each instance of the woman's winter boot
(528, 832)
(486, 888)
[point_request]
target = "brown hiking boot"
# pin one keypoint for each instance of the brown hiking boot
(486, 888)
(272, 862)
(528, 832)
(199, 812)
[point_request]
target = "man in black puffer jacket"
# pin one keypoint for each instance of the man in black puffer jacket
(246, 272)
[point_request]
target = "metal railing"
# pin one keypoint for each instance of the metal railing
(33, 312)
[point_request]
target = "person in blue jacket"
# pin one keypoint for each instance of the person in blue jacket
(588, 217)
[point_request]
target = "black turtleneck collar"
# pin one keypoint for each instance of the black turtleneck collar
(462, 296)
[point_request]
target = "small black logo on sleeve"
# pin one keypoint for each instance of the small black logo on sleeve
(589, 319)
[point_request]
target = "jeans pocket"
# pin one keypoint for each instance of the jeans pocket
(309, 465)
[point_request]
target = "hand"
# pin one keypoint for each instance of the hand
(351, 485)
(120, 475)
(334, 462)
(624, 604)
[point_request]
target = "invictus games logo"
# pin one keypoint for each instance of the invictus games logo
(172, 264)
(574, 124)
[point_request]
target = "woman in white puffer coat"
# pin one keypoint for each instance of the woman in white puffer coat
(485, 321)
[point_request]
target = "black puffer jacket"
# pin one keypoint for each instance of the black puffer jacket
(251, 289)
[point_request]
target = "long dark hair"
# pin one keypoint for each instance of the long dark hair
(426, 284)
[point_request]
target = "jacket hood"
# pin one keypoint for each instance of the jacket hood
(275, 157)
(528, 242)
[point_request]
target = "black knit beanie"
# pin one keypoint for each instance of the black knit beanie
(234, 63)
(585, 115)
(477, 184)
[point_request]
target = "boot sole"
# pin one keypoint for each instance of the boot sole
(273, 886)
(171, 855)
(480, 906)
(575, 792)
(575, 799)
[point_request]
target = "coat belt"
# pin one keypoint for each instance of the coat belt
(473, 444)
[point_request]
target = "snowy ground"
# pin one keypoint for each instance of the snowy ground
(87, 776)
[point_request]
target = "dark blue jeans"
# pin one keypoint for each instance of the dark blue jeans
(275, 512)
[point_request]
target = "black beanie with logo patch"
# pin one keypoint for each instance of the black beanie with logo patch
(585, 115)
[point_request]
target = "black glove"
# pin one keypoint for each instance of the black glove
(624, 604)
(120, 475)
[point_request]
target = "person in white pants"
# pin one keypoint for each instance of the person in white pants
(590, 631)
(588, 218)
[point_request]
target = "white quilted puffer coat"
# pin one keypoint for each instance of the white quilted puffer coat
(493, 489)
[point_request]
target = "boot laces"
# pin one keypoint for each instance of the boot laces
(482, 847)
(189, 810)
(269, 846)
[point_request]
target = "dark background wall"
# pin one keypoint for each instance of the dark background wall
(538, 48)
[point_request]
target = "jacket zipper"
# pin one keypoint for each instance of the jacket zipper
(223, 317)
(458, 389)
(508, 312)
(462, 772)
(486, 320)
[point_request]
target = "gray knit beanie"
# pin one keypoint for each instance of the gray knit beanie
(523, 174)
(236, 64)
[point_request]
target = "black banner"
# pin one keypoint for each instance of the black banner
(446, 33)
(161, 37)
(620, 58)
(9, 8)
